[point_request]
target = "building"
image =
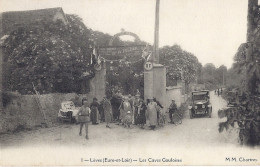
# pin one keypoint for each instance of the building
(10, 21)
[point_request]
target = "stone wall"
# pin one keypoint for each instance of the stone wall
(175, 93)
(23, 111)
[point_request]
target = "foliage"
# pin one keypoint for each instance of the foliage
(180, 64)
(124, 72)
(53, 56)
(247, 112)
(214, 77)
(247, 117)
(126, 77)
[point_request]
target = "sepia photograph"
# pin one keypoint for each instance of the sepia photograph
(129, 82)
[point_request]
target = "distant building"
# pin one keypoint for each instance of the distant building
(10, 21)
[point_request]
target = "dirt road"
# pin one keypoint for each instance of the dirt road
(197, 131)
(196, 135)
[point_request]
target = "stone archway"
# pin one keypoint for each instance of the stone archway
(122, 54)
(137, 39)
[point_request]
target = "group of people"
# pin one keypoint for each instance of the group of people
(132, 110)
(218, 91)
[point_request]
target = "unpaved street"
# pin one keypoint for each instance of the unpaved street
(197, 131)
(193, 135)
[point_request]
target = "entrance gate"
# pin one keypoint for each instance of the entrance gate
(124, 54)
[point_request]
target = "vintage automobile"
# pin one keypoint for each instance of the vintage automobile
(232, 98)
(68, 112)
(200, 104)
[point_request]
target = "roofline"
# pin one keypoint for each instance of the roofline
(32, 10)
(57, 8)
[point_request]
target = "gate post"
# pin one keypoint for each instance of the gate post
(1, 78)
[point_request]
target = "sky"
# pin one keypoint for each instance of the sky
(210, 29)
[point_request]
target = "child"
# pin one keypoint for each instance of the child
(128, 119)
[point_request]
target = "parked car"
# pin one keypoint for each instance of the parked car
(232, 98)
(200, 104)
(68, 112)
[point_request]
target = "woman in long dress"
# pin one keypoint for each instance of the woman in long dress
(152, 113)
(94, 111)
(141, 119)
(124, 108)
(84, 117)
(107, 111)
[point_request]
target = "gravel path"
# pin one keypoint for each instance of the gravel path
(192, 138)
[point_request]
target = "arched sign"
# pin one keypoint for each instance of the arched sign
(131, 52)
(122, 34)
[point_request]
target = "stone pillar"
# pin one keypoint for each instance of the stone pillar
(99, 83)
(155, 83)
(1, 78)
(159, 83)
(148, 84)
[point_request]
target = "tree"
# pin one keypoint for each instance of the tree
(247, 66)
(53, 56)
(180, 64)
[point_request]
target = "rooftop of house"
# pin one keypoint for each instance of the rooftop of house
(12, 19)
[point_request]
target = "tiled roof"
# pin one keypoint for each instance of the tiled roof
(10, 20)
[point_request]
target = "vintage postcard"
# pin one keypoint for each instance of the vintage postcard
(129, 82)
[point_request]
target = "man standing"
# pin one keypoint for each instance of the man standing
(135, 108)
(172, 109)
(159, 105)
(83, 116)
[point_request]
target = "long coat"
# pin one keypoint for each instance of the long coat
(94, 112)
(152, 113)
(107, 111)
(125, 106)
(141, 119)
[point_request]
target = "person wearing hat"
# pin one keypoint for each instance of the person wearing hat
(172, 109)
(141, 119)
(136, 103)
(124, 108)
(94, 111)
(84, 116)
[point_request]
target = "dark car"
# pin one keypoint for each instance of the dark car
(232, 98)
(200, 104)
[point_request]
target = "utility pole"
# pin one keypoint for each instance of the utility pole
(156, 34)
(223, 78)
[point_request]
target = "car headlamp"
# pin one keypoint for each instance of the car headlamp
(196, 107)
(189, 107)
(203, 106)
